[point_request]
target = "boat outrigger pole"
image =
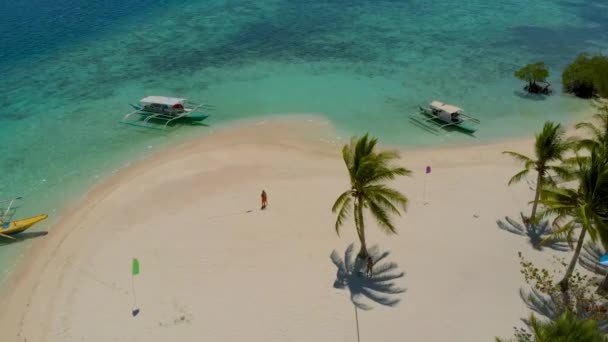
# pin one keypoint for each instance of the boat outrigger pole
(5, 214)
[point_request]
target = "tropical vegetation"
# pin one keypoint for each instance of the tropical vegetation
(368, 171)
(587, 76)
(534, 74)
(597, 130)
(546, 296)
(583, 206)
(578, 208)
(566, 328)
(549, 148)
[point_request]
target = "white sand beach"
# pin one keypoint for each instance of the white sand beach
(214, 267)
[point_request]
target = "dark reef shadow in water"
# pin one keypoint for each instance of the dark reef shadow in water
(571, 40)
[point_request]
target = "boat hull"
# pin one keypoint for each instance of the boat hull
(463, 126)
(190, 117)
(17, 226)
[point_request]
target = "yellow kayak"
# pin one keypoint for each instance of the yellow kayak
(18, 226)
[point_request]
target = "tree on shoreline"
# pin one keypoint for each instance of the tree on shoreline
(368, 169)
(597, 147)
(587, 76)
(576, 305)
(533, 74)
(550, 146)
(585, 206)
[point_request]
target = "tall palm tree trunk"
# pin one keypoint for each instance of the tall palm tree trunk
(564, 284)
(539, 184)
(361, 229)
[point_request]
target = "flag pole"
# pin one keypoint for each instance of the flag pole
(424, 191)
(357, 320)
(134, 272)
(427, 171)
(133, 291)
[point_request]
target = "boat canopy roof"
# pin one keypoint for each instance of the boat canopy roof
(445, 107)
(163, 100)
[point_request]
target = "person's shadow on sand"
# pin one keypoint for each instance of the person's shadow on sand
(379, 288)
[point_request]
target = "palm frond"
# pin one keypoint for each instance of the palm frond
(593, 129)
(374, 170)
(382, 218)
(387, 174)
(387, 196)
(550, 143)
(344, 204)
(387, 155)
(565, 172)
(518, 176)
(520, 157)
(564, 232)
(339, 203)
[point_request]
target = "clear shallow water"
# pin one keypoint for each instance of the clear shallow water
(70, 68)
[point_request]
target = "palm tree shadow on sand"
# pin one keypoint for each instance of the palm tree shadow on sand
(379, 288)
(546, 306)
(536, 233)
(590, 256)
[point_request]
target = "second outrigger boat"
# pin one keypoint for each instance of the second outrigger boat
(161, 111)
(442, 115)
(9, 227)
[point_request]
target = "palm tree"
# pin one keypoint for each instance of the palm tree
(599, 130)
(368, 170)
(566, 328)
(597, 144)
(585, 206)
(550, 146)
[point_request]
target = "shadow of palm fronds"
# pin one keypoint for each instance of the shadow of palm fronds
(379, 288)
(539, 235)
(539, 303)
(546, 306)
(590, 256)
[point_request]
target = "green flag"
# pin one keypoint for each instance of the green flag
(135, 270)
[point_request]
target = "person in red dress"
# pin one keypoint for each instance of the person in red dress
(264, 200)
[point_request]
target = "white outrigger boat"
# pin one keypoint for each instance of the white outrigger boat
(441, 115)
(161, 111)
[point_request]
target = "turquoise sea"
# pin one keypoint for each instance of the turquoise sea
(69, 69)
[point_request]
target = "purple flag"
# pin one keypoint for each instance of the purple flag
(428, 169)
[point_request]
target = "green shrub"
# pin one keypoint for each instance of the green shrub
(533, 73)
(587, 76)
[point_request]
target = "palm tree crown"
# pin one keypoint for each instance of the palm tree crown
(599, 130)
(585, 206)
(550, 146)
(368, 170)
